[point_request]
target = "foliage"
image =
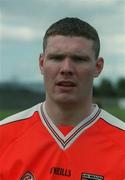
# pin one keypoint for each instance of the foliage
(19, 96)
(120, 88)
(109, 89)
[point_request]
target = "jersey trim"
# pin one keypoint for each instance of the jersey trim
(112, 120)
(23, 115)
(65, 141)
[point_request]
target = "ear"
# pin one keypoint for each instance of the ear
(41, 62)
(99, 66)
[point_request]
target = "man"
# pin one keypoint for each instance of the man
(65, 137)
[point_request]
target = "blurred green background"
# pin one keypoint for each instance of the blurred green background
(16, 97)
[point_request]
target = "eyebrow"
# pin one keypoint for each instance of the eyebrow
(53, 55)
(62, 55)
(75, 56)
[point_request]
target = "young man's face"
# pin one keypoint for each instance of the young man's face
(69, 66)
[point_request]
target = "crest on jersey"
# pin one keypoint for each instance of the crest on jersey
(28, 176)
(88, 176)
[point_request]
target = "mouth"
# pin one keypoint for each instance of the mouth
(66, 84)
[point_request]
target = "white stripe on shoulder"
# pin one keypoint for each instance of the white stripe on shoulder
(21, 115)
(112, 119)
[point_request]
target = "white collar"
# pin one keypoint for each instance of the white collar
(65, 141)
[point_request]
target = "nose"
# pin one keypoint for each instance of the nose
(67, 67)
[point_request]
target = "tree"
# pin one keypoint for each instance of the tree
(120, 86)
(106, 89)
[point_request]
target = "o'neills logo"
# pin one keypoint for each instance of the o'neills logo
(60, 171)
(28, 176)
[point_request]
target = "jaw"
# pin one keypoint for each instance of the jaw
(68, 100)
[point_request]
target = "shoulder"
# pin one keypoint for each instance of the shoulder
(113, 129)
(112, 120)
(16, 126)
(23, 115)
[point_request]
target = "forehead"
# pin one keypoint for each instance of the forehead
(59, 43)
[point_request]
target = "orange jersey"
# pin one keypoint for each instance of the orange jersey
(33, 148)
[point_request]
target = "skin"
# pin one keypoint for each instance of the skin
(69, 67)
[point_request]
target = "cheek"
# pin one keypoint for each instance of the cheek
(86, 72)
(49, 74)
(86, 79)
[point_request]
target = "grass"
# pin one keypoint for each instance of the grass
(6, 113)
(120, 113)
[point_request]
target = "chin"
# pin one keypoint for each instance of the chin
(65, 100)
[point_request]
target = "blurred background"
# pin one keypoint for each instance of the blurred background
(22, 27)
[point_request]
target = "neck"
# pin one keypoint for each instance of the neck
(70, 114)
